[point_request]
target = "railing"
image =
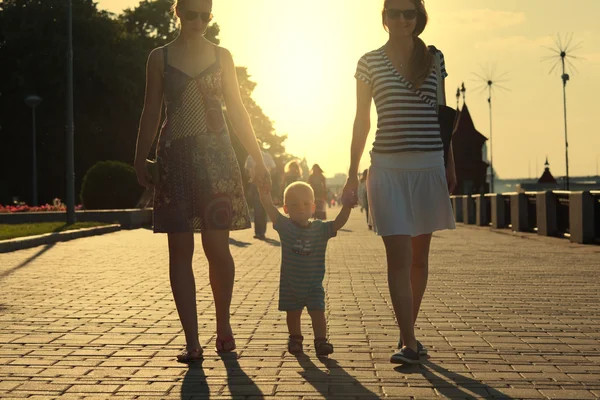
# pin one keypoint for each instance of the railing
(596, 200)
(575, 215)
(507, 218)
(562, 212)
(531, 211)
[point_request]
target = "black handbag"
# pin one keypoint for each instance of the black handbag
(153, 169)
(446, 115)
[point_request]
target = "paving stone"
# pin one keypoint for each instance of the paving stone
(501, 318)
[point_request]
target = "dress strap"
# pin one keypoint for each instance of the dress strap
(218, 55)
(165, 57)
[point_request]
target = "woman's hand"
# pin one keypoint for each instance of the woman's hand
(143, 176)
(451, 178)
(350, 192)
(262, 178)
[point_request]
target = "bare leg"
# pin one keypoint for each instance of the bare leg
(319, 323)
(294, 322)
(221, 273)
(181, 250)
(419, 271)
(399, 256)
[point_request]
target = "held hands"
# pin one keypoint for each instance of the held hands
(350, 192)
(262, 179)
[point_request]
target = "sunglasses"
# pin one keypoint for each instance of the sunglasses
(193, 15)
(393, 13)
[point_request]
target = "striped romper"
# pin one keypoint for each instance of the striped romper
(302, 263)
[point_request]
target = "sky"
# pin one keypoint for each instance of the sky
(303, 56)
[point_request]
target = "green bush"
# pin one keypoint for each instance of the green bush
(110, 185)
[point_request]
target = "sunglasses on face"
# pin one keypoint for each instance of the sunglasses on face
(193, 15)
(393, 13)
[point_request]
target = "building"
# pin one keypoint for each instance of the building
(469, 158)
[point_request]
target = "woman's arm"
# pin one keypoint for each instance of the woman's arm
(237, 113)
(150, 118)
(362, 125)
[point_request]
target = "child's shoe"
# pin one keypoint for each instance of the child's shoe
(323, 347)
(295, 344)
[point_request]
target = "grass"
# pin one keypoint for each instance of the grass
(12, 231)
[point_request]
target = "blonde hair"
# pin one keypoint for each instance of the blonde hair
(296, 187)
(422, 60)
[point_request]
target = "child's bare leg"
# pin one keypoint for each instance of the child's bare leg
(322, 345)
(319, 323)
(294, 322)
(295, 330)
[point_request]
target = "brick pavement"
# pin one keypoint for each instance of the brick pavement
(504, 316)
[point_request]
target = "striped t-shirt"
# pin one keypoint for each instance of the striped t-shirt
(405, 122)
(303, 253)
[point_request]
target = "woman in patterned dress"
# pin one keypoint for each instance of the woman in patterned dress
(200, 186)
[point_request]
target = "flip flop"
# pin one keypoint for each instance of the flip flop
(226, 344)
(188, 356)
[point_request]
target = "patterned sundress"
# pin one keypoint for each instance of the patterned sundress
(201, 185)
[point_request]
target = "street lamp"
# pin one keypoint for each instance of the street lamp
(70, 158)
(33, 101)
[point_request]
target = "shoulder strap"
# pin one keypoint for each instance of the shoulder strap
(218, 54)
(408, 84)
(418, 92)
(437, 62)
(165, 56)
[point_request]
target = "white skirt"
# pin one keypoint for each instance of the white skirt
(408, 194)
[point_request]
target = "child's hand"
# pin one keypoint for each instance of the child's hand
(349, 198)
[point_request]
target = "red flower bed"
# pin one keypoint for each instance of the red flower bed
(23, 208)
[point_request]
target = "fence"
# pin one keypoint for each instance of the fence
(573, 215)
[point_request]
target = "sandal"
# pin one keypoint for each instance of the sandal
(226, 344)
(323, 347)
(188, 356)
(295, 344)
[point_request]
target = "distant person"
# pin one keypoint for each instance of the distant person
(260, 216)
(408, 186)
(198, 184)
(303, 247)
(318, 183)
(292, 173)
(363, 199)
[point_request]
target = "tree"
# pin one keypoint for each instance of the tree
(108, 79)
(110, 55)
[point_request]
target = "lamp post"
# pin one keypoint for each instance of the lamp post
(563, 52)
(33, 101)
(70, 158)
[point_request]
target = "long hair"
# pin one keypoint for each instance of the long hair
(316, 170)
(180, 3)
(421, 62)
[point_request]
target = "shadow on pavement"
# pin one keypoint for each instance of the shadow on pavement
(336, 377)
(272, 242)
(194, 382)
(238, 243)
(240, 385)
(29, 260)
(451, 384)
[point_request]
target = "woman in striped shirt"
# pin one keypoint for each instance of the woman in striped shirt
(408, 186)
